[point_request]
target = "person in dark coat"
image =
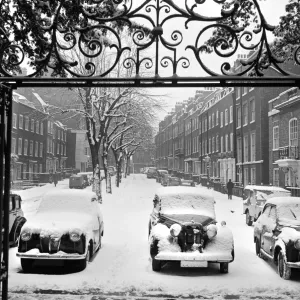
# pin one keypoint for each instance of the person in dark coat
(230, 186)
(55, 179)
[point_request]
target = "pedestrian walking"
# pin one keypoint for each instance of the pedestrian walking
(55, 180)
(229, 186)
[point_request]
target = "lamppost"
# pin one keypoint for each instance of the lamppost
(207, 160)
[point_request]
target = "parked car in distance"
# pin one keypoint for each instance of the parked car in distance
(151, 172)
(277, 234)
(16, 218)
(255, 197)
(169, 180)
(160, 174)
(183, 228)
(78, 181)
(112, 170)
(187, 182)
(67, 227)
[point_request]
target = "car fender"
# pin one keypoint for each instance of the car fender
(279, 245)
(19, 221)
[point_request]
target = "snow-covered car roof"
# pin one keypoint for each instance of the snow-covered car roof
(67, 200)
(184, 200)
(265, 188)
(163, 171)
(283, 201)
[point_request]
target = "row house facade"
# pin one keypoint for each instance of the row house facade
(223, 135)
(38, 143)
(284, 122)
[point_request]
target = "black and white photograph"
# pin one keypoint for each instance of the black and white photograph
(149, 149)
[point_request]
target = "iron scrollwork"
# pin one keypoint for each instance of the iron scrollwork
(77, 35)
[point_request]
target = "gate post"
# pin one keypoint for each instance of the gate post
(5, 156)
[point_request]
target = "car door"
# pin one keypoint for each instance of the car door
(267, 230)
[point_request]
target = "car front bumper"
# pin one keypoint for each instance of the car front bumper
(194, 256)
(57, 256)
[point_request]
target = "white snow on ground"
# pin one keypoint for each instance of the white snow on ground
(123, 262)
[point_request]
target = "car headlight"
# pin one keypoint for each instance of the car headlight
(175, 230)
(74, 236)
(211, 231)
(25, 235)
(297, 244)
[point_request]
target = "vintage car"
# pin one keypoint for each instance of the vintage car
(79, 181)
(169, 180)
(16, 218)
(68, 226)
(183, 228)
(187, 182)
(151, 173)
(277, 234)
(160, 174)
(255, 197)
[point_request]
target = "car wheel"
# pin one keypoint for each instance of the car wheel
(248, 219)
(27, 264)
(156, 265)
(257, 248)
(283, 270)
(224, 266)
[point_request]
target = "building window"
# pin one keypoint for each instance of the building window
(217, 143)
(238, 92)
(209, 146)
(239, 118)
(14, 121)
(31, 148)
(221, 120)
(226, 143)
(42, 128)
(293, 129)
(245, 114)
(213, 120)
(246, 177)
(37, 128)
(41, 168)
(20, 146)
(32, 125)
(25, 147)
(217, 117)
(13, 146)
(26, 123)
(57, 148)
(36, 149)
(253, 175)
(245, 89)
(231, 141)
(41, 149)
(19, 171)
(253, 146)
(222, 144)
(276, 177)
(21, 121)
(24, 171)
(231, 114)
(213, 144)
(275, 137)
(239, 149)
(226, 116)
(209, 122)
(252, 110)
(246, 158)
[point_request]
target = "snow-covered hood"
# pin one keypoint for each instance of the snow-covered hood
(190, 216)
(289, 234)
(57, 223)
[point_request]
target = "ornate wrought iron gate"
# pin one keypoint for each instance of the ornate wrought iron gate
(156, 55)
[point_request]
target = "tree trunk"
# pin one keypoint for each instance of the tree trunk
(107, 175)
(128, 165)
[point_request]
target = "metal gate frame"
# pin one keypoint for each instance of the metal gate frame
(150, 10)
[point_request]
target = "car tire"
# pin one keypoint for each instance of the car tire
(257, 248)
(27, 264)
(224, 266)
(156, 265)
(248, 219)
(284, 271)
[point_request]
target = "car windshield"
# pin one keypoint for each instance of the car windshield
(289, 213)
(187, 204)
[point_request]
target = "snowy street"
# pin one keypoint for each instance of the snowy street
(122, 266)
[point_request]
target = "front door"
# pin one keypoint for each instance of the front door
(30, 171)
